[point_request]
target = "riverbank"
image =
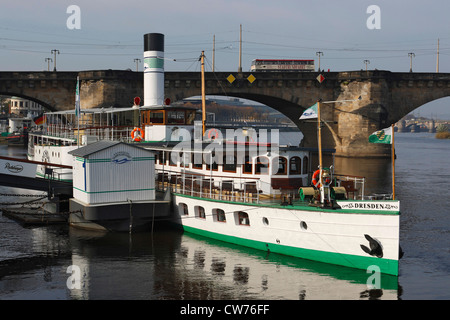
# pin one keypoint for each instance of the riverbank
(443, 135)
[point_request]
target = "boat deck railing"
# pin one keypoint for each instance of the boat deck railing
(354, 185)
(202, 186)
(247, 190)
(92, 133)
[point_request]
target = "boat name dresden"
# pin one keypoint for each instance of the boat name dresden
(369, 206)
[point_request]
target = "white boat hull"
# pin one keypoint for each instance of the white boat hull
(331, 236)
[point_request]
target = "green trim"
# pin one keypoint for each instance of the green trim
(113, 191)
(386, 266)
(154, 63)
(143, 158)
(297, 206)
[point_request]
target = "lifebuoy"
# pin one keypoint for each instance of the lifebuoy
(137, 134)
(213, 132)
(316, 180)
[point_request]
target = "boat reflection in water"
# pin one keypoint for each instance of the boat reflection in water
(172, 265)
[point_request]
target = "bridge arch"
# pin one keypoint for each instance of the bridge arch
(288, 109)
(427, 109)
(30, 98)
(52, 90)
(249, 106)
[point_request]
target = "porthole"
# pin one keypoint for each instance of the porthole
(303, 225)
(265, 221)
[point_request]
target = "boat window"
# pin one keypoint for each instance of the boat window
(219, 215)
(183, 209)
(174, 157)
(282, 165)
(197, 160)
(229, 163)
(262, 165)
(215, 166)
(243, 219)
(247, 166)
(156, 117)
(184, 159)
(160, 157)
(190, 116)
(200, 212)
(175, 117)
(295, 165)
(144, 117)
(305, 165)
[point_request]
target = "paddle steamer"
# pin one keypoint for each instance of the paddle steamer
(242, 186)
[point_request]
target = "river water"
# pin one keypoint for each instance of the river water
(169, 265)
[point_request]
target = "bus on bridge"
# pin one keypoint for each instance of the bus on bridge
(282, 65)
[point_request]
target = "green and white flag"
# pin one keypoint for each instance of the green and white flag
(381, 136)
(310, 113)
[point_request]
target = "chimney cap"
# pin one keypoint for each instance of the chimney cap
(154, 42)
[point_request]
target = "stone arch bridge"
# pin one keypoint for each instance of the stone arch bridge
(385, 96)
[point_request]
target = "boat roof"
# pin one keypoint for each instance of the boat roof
(93, 148)
(167, 145)
(99, 146)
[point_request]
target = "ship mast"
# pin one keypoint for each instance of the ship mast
(319, 138)
(202, 59)
(319, 141)
(393, 163)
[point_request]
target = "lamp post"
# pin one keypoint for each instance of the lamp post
(137, 64)
(319, 53)
(48, 60)
(411, 55)
(54, 51)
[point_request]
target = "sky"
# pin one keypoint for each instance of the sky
(101, 34)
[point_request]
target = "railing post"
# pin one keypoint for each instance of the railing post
(257, 191)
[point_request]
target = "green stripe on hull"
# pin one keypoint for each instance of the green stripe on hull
(386, 266)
